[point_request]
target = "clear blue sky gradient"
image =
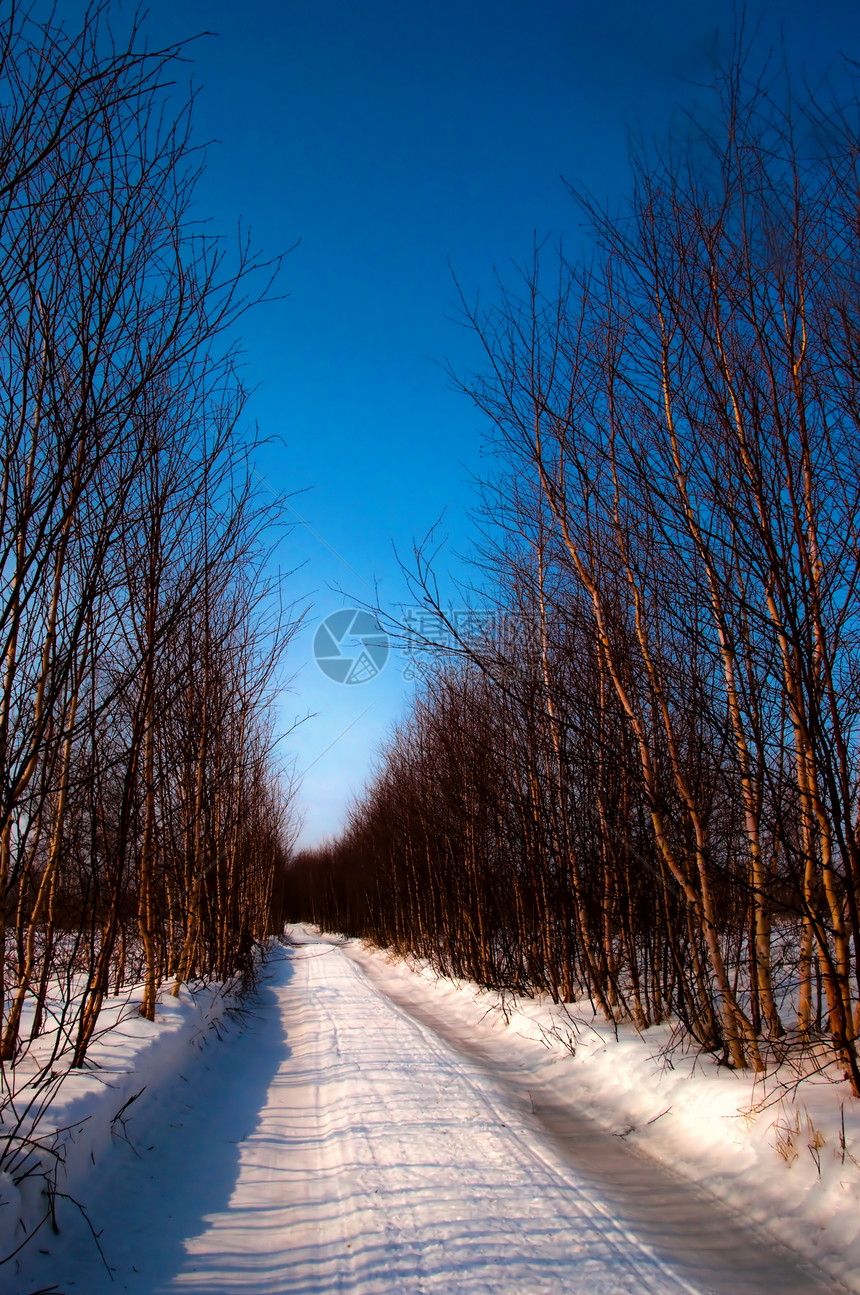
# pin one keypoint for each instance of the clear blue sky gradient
(394, 140)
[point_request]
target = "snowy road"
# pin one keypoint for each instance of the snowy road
(340, 1143)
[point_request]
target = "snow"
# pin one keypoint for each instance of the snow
(367, 1127)
(783, 1157)
(74, 1120)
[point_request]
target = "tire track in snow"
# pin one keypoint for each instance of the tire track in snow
(705, 1243)
(561, 1182)
(448, 1190)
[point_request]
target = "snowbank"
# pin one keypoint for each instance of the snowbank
(72, 1120)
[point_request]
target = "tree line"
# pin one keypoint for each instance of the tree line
(143, 821)
(649, 794)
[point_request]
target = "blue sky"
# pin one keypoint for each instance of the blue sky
(396, 142)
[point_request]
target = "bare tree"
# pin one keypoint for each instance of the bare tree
(672, 804)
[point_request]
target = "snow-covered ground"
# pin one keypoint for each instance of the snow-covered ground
(371, 1129)
(783, 1158)
(66, 1122)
